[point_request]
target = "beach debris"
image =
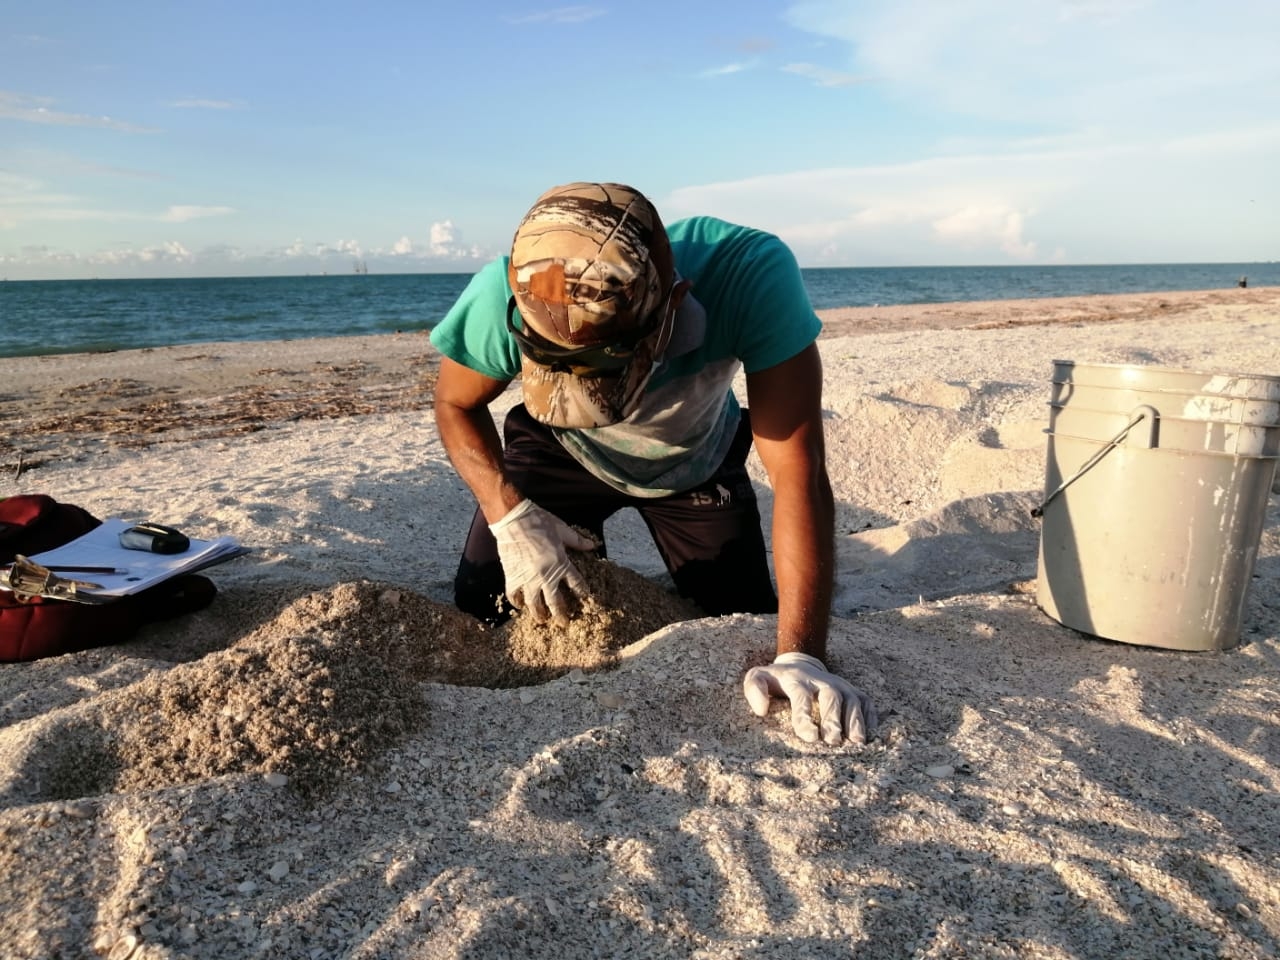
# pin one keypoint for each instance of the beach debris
(134, 414)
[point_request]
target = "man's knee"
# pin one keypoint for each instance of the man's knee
(727, 584)
(480, 590)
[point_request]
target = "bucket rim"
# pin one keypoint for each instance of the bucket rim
(1175, 371)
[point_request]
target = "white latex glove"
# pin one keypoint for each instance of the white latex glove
(844, 710)
(531, 546)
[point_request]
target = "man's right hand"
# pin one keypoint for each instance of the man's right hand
(531, 546)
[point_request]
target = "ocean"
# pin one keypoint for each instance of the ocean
(71, 316)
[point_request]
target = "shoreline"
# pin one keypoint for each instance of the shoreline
(840, 321)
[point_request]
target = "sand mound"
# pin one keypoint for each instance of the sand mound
(326, 684)
(913, 446)
(979, 544)
(623, 608)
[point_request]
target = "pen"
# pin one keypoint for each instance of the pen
(57, 569)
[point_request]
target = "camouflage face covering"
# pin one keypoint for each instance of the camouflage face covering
(590, 265)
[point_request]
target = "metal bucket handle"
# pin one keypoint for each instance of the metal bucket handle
(1144, 412)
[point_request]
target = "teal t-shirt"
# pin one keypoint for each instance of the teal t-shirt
(757, 315)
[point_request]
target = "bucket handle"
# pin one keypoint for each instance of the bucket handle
(1141, 413)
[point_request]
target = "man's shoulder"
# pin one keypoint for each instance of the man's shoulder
(730, 260)
(493, 273)
(749, 282)
(709, 230)
(705, 242)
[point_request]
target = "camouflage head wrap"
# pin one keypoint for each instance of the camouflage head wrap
(590, 265)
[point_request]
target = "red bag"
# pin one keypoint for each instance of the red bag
(43, 627)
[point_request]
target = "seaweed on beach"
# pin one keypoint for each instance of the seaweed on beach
(133, 415)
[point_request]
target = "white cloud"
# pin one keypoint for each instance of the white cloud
(169, 252)
(341, 248)
(728, 69)
(446, 242)
(978, 227)
(16, 106)
(1077, 130)
(1112, 202)
(1123, 64)
(39, 254)
(176, 259)
(19, 195)
(26, 200)
(183, 213)
(822, 76)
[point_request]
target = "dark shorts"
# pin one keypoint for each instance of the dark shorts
(709, 537)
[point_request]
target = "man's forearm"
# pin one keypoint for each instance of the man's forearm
(471, 440)
(804, 561)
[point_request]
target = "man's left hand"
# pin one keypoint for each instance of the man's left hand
(843, 709)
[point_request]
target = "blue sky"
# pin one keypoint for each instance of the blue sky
(211, 139)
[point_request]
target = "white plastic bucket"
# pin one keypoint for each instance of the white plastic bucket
(1157, 484)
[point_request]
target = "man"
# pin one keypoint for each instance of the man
(628, 337)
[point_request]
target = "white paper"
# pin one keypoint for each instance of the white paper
(100, 547)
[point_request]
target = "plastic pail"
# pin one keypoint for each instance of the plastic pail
(1157, 484)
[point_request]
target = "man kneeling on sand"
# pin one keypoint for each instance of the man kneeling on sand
(627, 336)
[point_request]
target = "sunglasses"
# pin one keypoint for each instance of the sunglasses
(601, 360)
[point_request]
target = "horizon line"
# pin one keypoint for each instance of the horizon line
(459, 273)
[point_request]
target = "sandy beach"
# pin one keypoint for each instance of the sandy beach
(330, 761)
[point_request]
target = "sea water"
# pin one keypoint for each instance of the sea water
(66, 316)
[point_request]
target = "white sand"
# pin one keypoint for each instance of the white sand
(1034, 792)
